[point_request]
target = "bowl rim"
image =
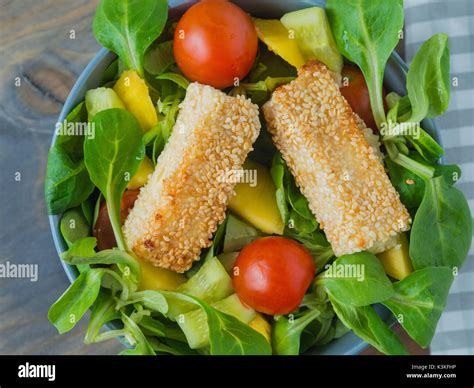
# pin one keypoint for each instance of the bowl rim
(60, 246)
(68, 106)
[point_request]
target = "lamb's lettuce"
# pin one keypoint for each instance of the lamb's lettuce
(419, 300)
(112, 157)
(128, 28)
(67, 183)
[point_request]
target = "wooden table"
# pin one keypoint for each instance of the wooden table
(45, 45)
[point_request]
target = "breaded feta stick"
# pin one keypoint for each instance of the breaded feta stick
(323, 142)
(185, 199)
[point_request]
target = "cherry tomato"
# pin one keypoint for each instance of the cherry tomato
(272, 274)
(103, 231)
(354, 89)
(215, 42)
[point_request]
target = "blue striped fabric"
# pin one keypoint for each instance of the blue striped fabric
(423, 18)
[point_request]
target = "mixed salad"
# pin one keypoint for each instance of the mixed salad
(273, 276)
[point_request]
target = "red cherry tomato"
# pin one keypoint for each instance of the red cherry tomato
(103, 231)
(354, 89)
(215, 42)
(272, 274)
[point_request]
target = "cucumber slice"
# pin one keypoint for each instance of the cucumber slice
(314, 37)
(238, 234)
(101, 99)
(211, 283)
(194, 323)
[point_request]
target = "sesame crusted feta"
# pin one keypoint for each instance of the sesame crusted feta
(326, 147)
(185, 199)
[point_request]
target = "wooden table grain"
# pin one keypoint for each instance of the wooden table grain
(44, 45)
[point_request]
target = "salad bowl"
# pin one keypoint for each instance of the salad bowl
(394, 80)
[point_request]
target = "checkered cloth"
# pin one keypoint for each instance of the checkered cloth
(423, 18)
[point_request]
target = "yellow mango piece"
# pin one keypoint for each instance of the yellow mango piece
(396, 261)
(141, 176)
(260, 324)
(274, 34)
(133, 92)
(155, 278)
(255, 202)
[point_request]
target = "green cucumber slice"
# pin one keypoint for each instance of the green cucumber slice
(101, 99)
(211, 283)
(194, 323)
(314, 37)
